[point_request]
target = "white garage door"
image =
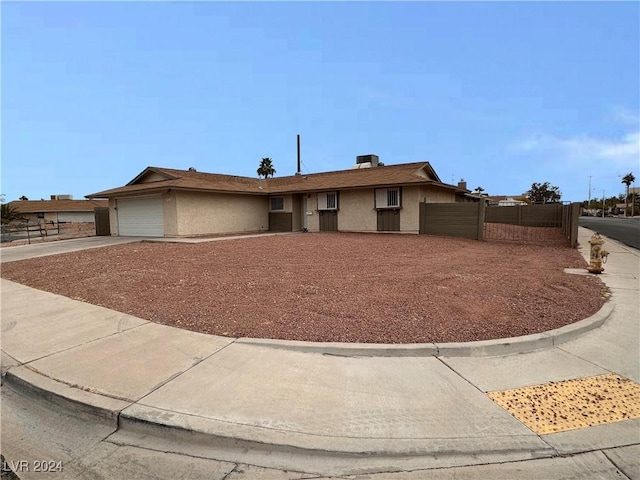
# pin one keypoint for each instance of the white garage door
(140, 217)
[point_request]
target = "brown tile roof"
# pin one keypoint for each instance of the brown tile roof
(35, 206)
(389, 175)
(186, 180)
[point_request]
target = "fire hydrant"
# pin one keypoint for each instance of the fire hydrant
(598, 254)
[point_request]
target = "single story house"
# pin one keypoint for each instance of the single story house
(507, 200)
(58, 211)
(164, 202)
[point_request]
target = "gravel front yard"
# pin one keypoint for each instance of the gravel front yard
(330, 286)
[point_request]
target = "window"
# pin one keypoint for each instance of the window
(276, 204)
(40, 214)
(328, 201)
(388, 198)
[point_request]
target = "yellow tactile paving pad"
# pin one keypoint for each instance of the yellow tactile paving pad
(571, 404)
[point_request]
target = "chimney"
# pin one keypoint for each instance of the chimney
(372, 159)
(462, 184)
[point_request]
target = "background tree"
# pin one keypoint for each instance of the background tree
(23, 198)
(596, 203)
(544, 193)
(9, 213)
(266, 168)
(628, 179)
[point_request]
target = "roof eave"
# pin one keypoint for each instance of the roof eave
(119, 194)
(351, 187)
(106, 194)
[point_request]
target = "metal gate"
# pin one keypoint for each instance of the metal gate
(328, 220)
(389, 220)
(531, 224)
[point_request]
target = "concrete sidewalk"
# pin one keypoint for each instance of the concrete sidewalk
(319, 410)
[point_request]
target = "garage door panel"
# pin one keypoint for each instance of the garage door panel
(140, 217)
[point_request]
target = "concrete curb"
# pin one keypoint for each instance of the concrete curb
(135, 424)
(82, 403)
(347, 349)
(483, 348)
(160, 430)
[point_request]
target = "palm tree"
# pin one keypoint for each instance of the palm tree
(10, 213)
(479, 190)
(628, 179)
(266, 168)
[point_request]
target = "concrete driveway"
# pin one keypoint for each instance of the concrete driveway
(22, 252)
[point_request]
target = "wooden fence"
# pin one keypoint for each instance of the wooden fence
(549, 215)
(453, 219)
(37, 232)
(29, 231)
(550, 223)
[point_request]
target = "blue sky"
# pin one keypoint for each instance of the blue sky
(501, 94)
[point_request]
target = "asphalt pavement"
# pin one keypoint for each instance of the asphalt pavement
(625, 230)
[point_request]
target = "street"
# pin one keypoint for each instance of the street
(625, 230)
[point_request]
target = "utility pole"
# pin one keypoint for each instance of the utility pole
(589, 202)
(603, 203)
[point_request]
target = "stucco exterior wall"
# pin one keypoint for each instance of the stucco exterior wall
(313, 220)
(436, 195)
(76, 217)
(357, 212)
(170, 211)
(33, 217)
(210, 213)
(152, 177)
(410, 213)
(288, 204)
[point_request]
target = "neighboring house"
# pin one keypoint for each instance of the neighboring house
(165, 202)
(507, 200)
(58, 211)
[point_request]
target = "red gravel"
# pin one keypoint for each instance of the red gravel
(330, 286)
